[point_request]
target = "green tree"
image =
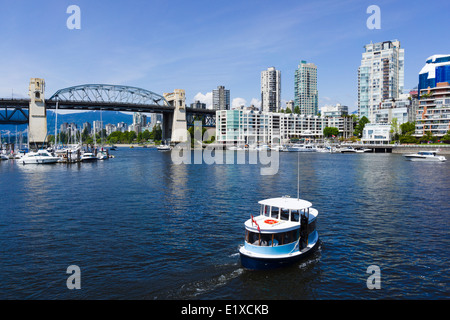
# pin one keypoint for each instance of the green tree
(330, 131)
(146, 135)
(407, 127)
(394, 129)
(157, 132)
(288, 110)
(446, 137)
(360, 126)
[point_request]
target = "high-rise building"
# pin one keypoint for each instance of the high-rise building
(306, 95)
(380, 76)
(221, 98)
(270, 90)
(198, 105)
(436, 69)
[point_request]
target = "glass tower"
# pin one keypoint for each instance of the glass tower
(306, 95)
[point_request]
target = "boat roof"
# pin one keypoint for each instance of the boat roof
(286, 203)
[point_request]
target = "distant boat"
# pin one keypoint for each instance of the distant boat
(300, 147)
(39, 157)
(348, 150)
(424, 156)
(164, 147)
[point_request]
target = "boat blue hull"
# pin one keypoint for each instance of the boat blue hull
(264, 264)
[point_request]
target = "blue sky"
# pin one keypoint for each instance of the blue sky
(198, 45)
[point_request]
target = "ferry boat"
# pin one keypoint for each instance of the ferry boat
(39, 157)
(284, 232)
(424, 156)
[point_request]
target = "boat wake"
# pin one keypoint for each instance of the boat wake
(194, 289)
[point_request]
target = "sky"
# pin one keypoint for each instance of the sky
(198, 45)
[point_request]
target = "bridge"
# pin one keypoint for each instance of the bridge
(176, 116)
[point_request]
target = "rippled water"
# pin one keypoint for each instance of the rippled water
(141, 227)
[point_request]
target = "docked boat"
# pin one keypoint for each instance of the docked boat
(348, 150)
(101, 155)
(3, 156)
(284, 232)
(88, 156)
(300, 147)
(163, 147)
(39, 157)
(279, 148)
(424, 156)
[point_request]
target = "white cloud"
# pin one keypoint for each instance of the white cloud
(204, 98)
(237, 102)
(256, 103)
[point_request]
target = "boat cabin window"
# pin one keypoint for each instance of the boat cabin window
(271, 239)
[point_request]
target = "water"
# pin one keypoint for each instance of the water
(141, 227)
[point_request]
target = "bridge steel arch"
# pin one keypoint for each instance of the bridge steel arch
(104, 95)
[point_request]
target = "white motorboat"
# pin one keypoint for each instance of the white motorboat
(284, 232)
(3, 156)
(424, 156)
(88, 156)
(39, 157)
(348, 150)
(164, 147)
(300, 147)
(101, 155)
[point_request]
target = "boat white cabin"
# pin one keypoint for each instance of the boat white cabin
(39, 157)
(424, 156)
(282, 233)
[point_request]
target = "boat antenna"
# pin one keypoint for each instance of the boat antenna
(298, 175)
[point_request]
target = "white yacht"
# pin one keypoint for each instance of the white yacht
(39, 157)
(300, 147)
(284, 232)
(88, 156)
(424, 156)
(164, 147)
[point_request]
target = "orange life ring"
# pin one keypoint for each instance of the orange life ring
(270, 221)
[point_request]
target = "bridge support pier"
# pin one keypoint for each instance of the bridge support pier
(37, 114)
(177, 99)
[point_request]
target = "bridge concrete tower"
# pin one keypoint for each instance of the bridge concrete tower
(175, 125)
(37, 114)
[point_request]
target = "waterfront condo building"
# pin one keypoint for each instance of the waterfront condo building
(271, 90)
(252, 127)
(433, 115)
(380, 76)
(305, 90)
(337, 116)
(221, 98)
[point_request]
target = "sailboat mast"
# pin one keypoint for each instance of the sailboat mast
(56, 125)
(298, 175)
